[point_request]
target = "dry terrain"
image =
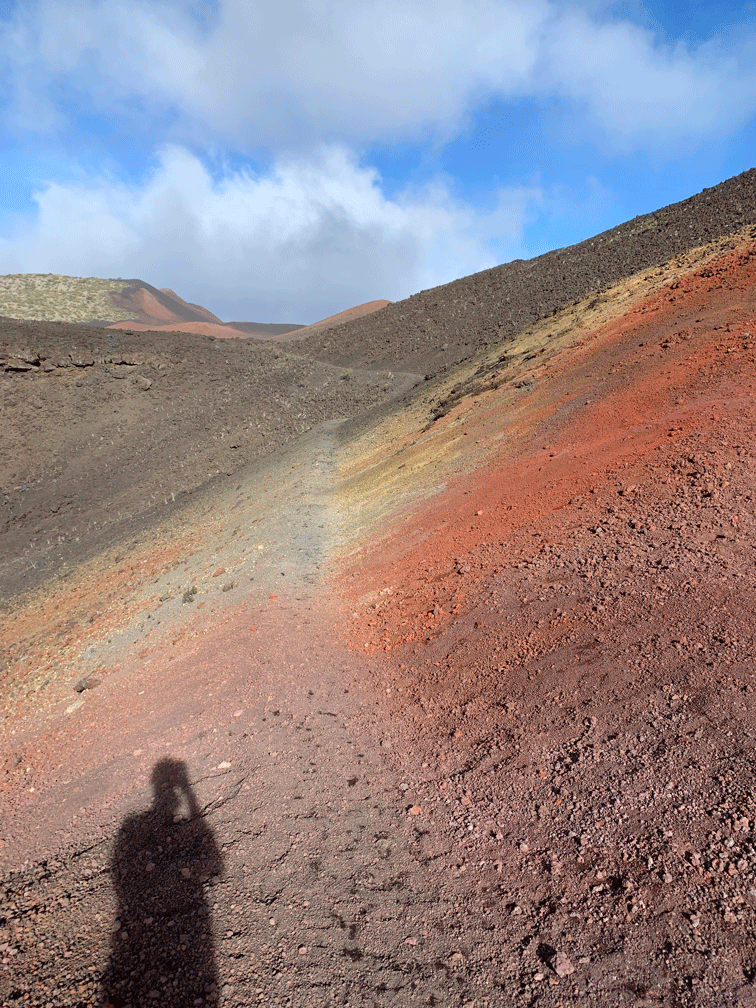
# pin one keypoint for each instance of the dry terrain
(414, 667)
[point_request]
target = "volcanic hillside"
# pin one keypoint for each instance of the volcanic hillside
(445, 695)
(445, 325)
(117, 304)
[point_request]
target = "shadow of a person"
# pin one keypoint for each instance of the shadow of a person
(162, 944)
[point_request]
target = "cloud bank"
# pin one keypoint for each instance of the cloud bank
(297, 244)
(305, 85)
(302, 72)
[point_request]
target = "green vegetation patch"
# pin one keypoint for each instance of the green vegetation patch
(50, 297)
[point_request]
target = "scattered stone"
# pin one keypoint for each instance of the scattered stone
(88, 682)
(228, 586)
(13, 364)
(562, 965)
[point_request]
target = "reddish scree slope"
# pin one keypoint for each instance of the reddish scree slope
(567, 637)
(630, 394)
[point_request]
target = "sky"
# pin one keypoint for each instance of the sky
(279, 162)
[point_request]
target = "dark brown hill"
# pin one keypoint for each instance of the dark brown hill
(446, 324)
(103, 425)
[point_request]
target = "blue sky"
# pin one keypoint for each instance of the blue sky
(280, 162)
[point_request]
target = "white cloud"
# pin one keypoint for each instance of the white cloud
(642, 91)
(311, 237)
(300, 72)
(316, 79)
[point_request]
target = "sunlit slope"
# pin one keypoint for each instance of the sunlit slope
(445, 325)
(499, 445)
(52, 297)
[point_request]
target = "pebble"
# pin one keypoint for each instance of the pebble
(562, 965)
(86, 683)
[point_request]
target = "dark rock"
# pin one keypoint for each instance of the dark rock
(88, 682)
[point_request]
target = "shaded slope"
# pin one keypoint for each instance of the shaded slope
(102, 426)
(188, 304)
(442, 326)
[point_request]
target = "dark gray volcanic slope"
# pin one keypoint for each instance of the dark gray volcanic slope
(444, 325)
(102, 425)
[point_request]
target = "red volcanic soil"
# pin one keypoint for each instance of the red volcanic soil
(156, 307)
(450, 703)
(160, 317)
(164, 311)
(217, 330)
(627, 394)
(340, 318)
(188, 304)
(567, 635)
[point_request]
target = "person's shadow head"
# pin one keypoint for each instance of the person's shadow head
(170, 782)
(162, 945)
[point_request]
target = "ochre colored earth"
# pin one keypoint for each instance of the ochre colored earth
(448, 700)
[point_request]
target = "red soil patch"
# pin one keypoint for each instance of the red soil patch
(681, 363)
(156, 307)
(566, 641)
(216, 330)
